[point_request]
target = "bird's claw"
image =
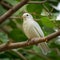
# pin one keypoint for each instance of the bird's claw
(45, 39)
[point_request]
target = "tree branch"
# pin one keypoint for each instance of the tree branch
(37, 2)
(12, 10)
(33, 41)
(6, 5)
(15, 8)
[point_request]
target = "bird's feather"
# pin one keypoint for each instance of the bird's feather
(38, 29)
(32, 30)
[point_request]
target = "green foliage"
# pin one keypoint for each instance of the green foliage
(36, 58)
(36, 8)
(57, 23)
(12, 2)
(17, 35)
(53, 55)
(3, 38)
(47, 22)
(12, 24)
(2, 10)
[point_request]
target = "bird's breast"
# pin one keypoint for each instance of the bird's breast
(28, 29)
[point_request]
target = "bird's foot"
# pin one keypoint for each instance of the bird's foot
(45, 39)
(9, 42)
(29, 40)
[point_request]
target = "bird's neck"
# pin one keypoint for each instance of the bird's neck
(28, 19)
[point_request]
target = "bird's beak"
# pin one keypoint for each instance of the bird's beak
(23, 17)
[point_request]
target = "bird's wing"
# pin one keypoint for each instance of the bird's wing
(38, 29)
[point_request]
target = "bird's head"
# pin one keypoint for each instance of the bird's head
(27, 16)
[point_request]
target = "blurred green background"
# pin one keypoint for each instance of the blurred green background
(46, 14)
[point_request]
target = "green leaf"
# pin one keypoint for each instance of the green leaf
(12, 2)
(47, 22)
(9, 54)
(12, 24)
(48, 6)
(3, 37)
(57, 23)
(18, 0)
(53, 55)
(35, 9)
(36, 58)
(17, 35)
(2, 10)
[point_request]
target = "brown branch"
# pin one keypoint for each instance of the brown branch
(12, 10)
(6, 5)
(33, 41)
(37, 2)
(15, 8)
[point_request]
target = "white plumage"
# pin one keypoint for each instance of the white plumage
(32, 30)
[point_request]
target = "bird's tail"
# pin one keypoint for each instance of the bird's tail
(44, 48)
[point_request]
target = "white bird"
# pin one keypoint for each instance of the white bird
(32, 30)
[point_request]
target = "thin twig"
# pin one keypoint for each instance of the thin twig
(6, 5)
(46, 9)
(35, 53)
(19, 54)
(14, 17)
(57, 50)
(37, 2)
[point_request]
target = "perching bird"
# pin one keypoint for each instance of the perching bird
(32, 30)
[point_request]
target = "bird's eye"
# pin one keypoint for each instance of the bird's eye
(26, 15)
